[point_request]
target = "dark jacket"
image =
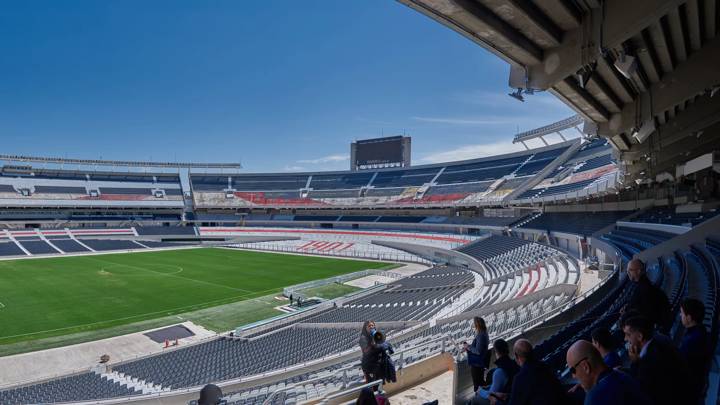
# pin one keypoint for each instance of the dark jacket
(479, 347)
(695, 348)
(652, 303)
(386, 367)
(536, 384)
(616, 388)
(370, 353)
(662, 372)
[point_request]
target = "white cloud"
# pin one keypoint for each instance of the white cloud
(293, 168)
(326, 159)
(471, 152)
(464, 121)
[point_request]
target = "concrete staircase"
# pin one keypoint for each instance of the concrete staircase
(132, 382)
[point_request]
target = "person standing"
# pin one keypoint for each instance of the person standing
(477, 353)
(370, 351)
(648, 300)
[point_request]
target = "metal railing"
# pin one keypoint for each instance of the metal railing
(376, 383)
(400, 354)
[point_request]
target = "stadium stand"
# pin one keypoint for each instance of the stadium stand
(574, 222)
(417, 298)
(83, 387)
(667, 215)
(57, 188)
(486, 180)
(491, 246)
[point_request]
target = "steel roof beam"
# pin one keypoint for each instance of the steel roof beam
(479, 24)
(491, 24)
(689, 79)
(529, 19)
(621, 21)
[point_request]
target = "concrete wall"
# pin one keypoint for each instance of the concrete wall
(605, 206)
(407, 378)
(435, 254)
(674, 229)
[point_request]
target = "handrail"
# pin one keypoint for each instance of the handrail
(377, 383)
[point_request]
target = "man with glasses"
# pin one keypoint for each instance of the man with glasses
(602, 384)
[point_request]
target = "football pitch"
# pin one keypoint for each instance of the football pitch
(40, 298)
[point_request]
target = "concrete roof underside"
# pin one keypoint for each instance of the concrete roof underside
(570, 48)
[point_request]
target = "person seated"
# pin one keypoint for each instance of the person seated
(502, 377)
(366, 397)
(210, 394)
(535, 383)
(602, 384)
(695, 348)
(656, 363)
(603, 341)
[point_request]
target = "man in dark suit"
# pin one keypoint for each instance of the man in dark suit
(648, 300)
(695, 347)
(656, 363)
(535, 383)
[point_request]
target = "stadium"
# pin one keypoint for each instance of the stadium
(143, 281)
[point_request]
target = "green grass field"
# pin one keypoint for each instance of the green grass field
(42, 298)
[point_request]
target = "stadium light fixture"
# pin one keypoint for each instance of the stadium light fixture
(584, 74)
(626, 65)
(644, 132)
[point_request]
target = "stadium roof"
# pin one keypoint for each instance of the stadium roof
(644, 72)
(129, 163)
(554, 128)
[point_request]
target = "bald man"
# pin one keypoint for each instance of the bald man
(648, 300)
(602, 384)
(535, 383)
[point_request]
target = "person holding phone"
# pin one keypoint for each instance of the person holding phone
(477, 353)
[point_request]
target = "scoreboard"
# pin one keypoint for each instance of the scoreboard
(392, 151)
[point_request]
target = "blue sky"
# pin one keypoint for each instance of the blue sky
(277, 85)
